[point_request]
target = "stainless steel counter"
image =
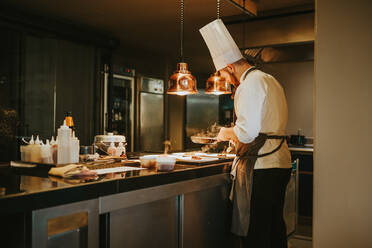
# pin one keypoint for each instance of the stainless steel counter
(301, 149)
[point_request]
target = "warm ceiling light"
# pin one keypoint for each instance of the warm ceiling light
(217, 85)
(182, 82)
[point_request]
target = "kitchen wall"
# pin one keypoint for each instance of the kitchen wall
(343, 121)
(297, 80)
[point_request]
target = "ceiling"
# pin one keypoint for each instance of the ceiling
(148, 27)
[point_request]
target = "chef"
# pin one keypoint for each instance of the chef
(262, 168)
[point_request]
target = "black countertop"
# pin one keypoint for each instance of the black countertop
(29, 189)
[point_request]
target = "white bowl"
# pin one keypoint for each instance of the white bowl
(148, 161)
(165, 163)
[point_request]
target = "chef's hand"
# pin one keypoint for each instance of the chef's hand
(227, 134)
(222, 136)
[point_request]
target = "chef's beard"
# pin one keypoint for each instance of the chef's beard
(230, 78)
(234, 81)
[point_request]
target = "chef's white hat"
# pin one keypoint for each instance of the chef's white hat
(221, 45)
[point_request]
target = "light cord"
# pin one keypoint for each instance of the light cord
(182, 20)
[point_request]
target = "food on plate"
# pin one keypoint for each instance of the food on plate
(196, 157)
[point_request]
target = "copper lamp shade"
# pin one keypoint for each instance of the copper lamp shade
(182, 82)
(217, 85)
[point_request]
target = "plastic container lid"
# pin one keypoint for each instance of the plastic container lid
(110, 137)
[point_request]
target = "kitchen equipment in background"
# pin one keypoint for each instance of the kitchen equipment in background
(103, 142)
(150, 114)
(297, 140)
(119, 106)
(201, 111)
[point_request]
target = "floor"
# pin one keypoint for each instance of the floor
(299, 243)
(303, 235)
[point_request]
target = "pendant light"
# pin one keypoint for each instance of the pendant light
(182, 82)
(216, 84)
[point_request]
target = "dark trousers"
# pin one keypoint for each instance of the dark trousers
(267, 228)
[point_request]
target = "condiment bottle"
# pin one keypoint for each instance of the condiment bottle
(46, 153)
(54, 149)
(27, 150)
(120, 149)
(111, 150)
(74, 148)
(35, 151)
(64, 136)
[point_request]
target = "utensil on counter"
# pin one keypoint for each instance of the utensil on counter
(204, 140)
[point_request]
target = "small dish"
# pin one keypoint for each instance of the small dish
(165, 163)
(148, 161)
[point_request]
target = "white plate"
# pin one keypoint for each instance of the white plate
(117, 169)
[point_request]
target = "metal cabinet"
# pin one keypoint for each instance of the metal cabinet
(206, 218)
(153, 224)
(192, 213)
(71, 225)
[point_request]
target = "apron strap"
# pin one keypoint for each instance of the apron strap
(282, 137)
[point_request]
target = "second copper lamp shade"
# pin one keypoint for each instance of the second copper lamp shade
(217, 85)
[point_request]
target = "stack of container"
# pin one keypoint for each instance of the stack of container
(64, 150)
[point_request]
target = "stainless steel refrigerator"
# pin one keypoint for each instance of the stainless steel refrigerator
(150, 114)
(119, 107)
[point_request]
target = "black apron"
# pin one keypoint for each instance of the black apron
(241, 191)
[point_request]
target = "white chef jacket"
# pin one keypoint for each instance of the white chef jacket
(261, 107)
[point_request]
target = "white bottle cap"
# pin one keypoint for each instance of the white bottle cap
(32, 140)
(64, 126)
(37, 141)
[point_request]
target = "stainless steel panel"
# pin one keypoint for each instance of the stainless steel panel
(151, 122)
(41, 217)
(73, 239)
(152, 224)
(201, 112)
(152, 85)
(206, 220)
(137, 197)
